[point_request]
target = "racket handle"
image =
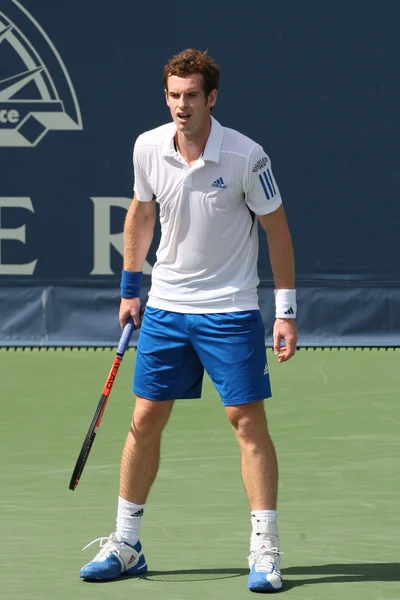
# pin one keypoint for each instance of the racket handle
(125, 337)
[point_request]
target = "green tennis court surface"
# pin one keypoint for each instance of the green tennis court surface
(335, 419)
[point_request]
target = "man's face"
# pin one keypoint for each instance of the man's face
(190, 109)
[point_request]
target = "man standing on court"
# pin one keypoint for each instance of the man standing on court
(212, 184)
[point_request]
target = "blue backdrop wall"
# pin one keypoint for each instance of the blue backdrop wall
(315, 83)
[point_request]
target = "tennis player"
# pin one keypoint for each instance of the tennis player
(212, 185)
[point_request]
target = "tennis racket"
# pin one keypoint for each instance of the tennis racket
(94, 425)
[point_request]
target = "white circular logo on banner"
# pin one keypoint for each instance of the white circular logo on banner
(36, 92)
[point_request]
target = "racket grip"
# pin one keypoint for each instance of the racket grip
(125, 337)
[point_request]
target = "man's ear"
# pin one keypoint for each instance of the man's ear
(212, 98)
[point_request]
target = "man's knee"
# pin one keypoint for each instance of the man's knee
(150, 417)
(248, 420)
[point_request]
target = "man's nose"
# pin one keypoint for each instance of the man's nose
(182, 101)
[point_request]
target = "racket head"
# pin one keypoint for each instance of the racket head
(87, 444)
(94, 425)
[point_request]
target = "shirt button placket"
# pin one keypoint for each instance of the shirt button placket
(188, 181)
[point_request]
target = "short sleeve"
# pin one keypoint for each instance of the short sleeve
(261, 190)
(141, 186)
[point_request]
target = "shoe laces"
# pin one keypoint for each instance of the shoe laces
(264, 560)
(108, 544)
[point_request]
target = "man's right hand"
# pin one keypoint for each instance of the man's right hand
(130, 307)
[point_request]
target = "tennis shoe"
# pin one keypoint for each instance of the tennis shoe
(265, 570)
(115, 558)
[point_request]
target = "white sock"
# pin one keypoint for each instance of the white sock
(129, 518)
(264, 515)
(264, 529)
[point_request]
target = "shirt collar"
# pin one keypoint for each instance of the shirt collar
(168, 146)
(212, 150)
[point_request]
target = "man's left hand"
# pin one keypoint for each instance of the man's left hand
(285, 330)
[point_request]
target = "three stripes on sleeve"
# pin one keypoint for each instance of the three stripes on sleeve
(267, 182)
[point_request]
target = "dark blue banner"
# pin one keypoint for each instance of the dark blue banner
(316, 84)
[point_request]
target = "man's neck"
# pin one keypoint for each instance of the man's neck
(192, 147)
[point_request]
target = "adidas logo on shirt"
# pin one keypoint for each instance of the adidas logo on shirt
(219, 183)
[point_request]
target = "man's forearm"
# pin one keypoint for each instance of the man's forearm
(138, 235)
(282, 258)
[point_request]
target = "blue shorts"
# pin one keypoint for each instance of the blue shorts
(175, 348)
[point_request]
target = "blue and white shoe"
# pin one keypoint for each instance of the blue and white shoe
(265, 570)
(114, 559)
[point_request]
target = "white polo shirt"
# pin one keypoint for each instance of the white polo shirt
(207, 256)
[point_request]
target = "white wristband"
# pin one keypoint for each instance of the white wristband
(285, 304)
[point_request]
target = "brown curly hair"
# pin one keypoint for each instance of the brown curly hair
(191, 61)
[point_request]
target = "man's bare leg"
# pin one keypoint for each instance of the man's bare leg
(141, 453)
(260, 478)
(122, 551)
(258, 457)
(139, 464)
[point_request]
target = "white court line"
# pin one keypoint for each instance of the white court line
(176, 459)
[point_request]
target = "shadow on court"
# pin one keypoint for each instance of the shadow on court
(341, 573)
(332, 573)
(182, 575)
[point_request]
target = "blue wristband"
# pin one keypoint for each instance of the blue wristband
(130, 284)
